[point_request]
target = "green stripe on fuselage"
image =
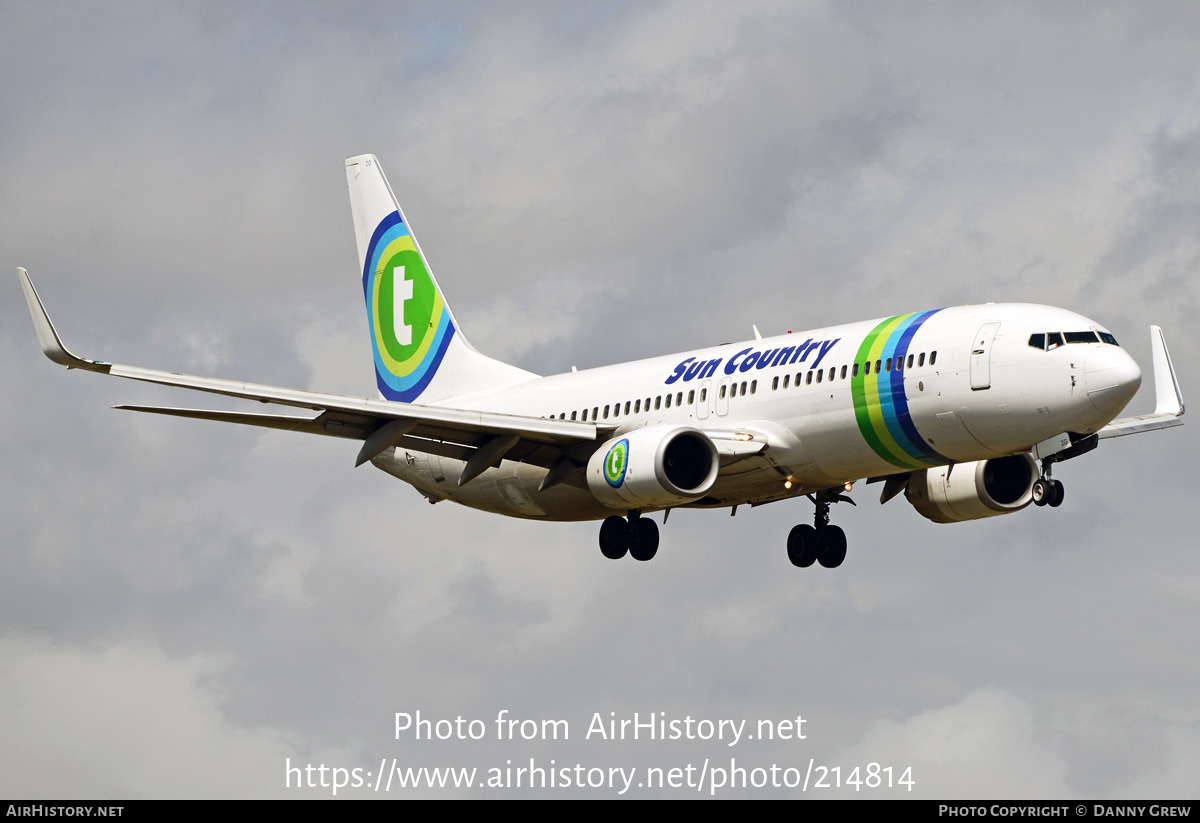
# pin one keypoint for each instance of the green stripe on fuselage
(864, 391)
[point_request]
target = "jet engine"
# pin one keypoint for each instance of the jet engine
(969, 491)
(662, 465)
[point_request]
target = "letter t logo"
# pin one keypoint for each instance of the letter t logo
(402, 292)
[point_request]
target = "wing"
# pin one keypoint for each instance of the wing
(481, 438)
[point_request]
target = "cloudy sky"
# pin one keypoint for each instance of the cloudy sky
(187, 607)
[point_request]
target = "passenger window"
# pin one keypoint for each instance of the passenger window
(785, 380)
(595, 412)
(878, 366)
(637, 406)
(832, 372)
(843, 372)
(722, 395)
(691, 397)
(658, 402)
(679, 399)
(703, 395)
(808, 379)
(573, 415)
(854, 370)
(668, 401)
(627, 407)
(867, 368)
(753, 386)
(921, 359)
(606, 412)
(733, 390)
(775, 384)
(932, 357)
(585, 415)
(821, 372)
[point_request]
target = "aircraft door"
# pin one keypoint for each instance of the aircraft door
(722, 399)
(981, 356)
(703, 401)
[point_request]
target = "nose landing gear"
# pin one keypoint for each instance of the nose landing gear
(820, 542)
(1045, 491)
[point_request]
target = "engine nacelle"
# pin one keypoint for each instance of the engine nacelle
(969, 491)
(662, 465)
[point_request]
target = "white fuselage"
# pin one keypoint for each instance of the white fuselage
(831, 404)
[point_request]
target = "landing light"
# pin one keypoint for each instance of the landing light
(743, 436)
(787, 484)
(849, 487)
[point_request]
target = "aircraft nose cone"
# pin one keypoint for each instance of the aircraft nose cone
(1112, 378)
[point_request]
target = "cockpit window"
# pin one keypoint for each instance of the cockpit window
(1054, 339)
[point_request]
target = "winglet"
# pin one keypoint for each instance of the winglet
(1168, 398)
(51, 343)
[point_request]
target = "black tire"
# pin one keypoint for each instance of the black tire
(833, 547)
(1041, 492)
(802, 545)
(1057, 499)
(643, 539)
(614, 537)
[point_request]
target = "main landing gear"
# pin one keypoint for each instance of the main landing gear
(820, 542)
(637, 536)
(1047, 492)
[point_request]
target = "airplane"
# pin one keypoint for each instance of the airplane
(964, 409)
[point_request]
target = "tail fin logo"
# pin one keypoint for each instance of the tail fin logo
(410, 326)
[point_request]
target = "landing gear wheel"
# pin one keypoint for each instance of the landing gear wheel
(802, 545)
(1057, 498)
(833, 547)
(1041, 492)
(643, 539)
(614, 537)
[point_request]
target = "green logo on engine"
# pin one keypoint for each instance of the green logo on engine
(615, 462)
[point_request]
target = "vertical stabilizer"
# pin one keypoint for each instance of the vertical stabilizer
(419, 350)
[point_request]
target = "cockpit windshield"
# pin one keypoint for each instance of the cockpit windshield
(1052, 340)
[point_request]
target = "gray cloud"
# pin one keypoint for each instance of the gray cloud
(590, 187)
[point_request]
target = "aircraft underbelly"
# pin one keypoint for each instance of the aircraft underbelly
(511, 489)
